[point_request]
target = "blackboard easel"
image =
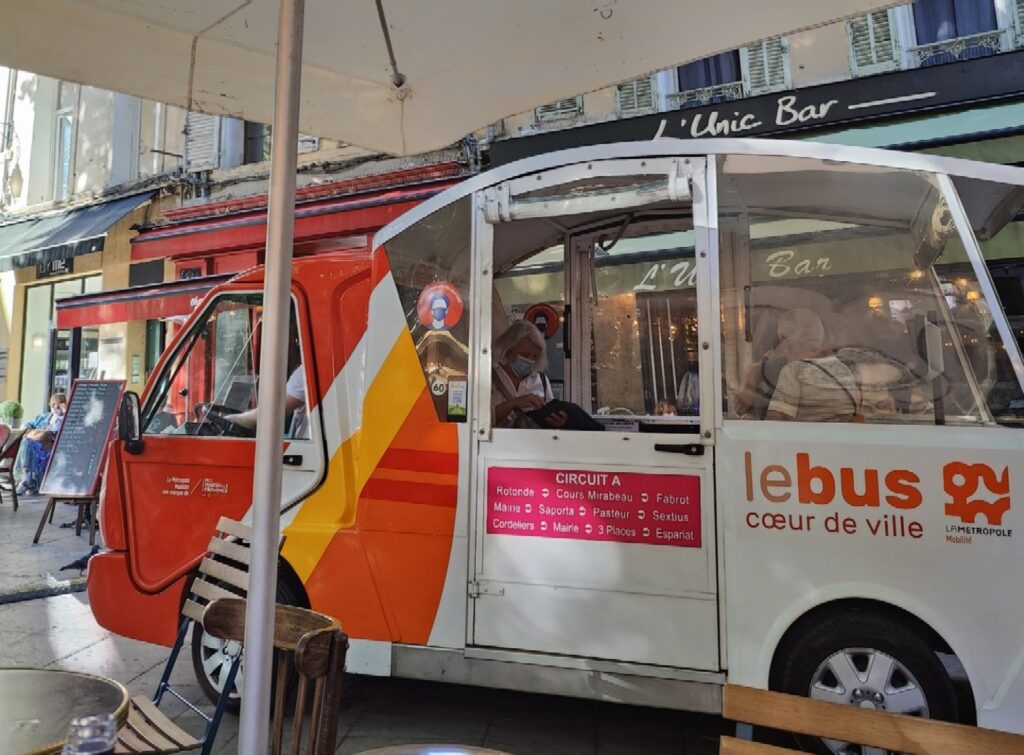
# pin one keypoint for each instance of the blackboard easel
(76, 461)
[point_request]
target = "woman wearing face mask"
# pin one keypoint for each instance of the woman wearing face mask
(520, 384)
(37, 444)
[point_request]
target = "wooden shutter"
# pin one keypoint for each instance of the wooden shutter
(202, 141)
(560, 109)
(637, 97)
(1018, 17)
(767, 65)
(872, 43)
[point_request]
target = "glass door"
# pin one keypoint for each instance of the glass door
(596, 538)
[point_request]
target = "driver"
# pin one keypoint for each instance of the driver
(295, 404)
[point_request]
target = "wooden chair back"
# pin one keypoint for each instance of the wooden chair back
(223, 572)
(871, 728)
(310, 644)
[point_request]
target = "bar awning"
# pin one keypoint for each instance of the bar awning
(150, 302)
(62, 235)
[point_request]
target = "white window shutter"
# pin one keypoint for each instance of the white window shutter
(560, 109)
(767, 65)
(202, 141)
(637, 97)
(872, 43)
(1018, 14)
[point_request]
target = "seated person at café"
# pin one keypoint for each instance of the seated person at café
(37, 443)
(519, 382)
(813, 386)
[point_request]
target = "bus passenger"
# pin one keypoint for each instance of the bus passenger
(520, 385)
(812, 387)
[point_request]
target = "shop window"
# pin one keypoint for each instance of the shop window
(847, 296)
(210, 385)
(718, 78)
(430, 266)
(52, 359)
(949, 30)
(64, 131)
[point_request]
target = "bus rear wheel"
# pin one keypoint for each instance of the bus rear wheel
(869, 661)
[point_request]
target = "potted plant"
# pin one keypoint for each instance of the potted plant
(11, 413)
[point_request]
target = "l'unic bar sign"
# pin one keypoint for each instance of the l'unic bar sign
(857, 100)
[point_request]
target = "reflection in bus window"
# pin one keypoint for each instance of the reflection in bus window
(876, 255)
(636, 312)
(644, 326)
(430, 265)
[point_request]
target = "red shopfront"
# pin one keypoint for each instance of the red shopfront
(208, 243)
(229, 236)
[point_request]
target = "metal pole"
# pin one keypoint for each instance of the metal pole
(266, 501)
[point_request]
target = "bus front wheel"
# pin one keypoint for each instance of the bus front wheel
(869, 661)
(211, 657)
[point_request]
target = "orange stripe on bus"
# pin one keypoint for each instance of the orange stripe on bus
(405, 475)
(431, 495)
(421, 461)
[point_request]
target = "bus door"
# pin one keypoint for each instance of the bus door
(198, 438)
(597, 538)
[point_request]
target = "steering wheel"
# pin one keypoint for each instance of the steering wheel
(215, 415)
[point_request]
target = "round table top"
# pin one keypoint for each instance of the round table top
(433, 749)
(37, 706)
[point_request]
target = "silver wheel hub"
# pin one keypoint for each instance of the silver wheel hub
(866, 678)
(218, 656)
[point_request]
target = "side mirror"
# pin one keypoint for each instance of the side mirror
(129, 423)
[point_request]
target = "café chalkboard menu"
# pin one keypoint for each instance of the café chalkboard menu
(81, 444)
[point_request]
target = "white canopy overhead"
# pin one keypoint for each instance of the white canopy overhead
(400, 76)
(465, 63)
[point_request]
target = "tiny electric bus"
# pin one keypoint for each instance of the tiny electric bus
(788, 452)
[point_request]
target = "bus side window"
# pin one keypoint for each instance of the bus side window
(873, 255)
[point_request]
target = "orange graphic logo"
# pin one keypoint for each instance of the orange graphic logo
(961, 482)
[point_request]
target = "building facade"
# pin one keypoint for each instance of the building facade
(82, 170)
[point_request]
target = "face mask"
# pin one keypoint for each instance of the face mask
(522, 366)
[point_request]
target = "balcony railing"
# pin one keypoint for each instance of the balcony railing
(975, 45)
(707, 95)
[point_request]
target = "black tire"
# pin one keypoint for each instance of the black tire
(203, 648)
(841, 651)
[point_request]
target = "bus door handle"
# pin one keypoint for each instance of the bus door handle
(292, 460)
(690, 449)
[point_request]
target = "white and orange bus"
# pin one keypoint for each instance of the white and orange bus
(804, 472)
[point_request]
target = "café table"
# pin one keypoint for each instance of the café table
(432, 749)
(37, 706)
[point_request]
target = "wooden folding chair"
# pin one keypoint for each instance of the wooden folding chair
(313, 645)
(149, 730)
(7, 457)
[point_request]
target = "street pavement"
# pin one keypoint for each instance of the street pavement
(45, 621)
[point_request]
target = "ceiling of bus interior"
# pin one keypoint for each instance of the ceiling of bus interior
(851, 193)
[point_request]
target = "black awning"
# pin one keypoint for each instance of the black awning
(63, 235)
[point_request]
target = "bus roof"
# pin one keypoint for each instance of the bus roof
(695, 147)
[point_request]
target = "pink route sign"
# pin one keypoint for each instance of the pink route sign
(621, 507)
